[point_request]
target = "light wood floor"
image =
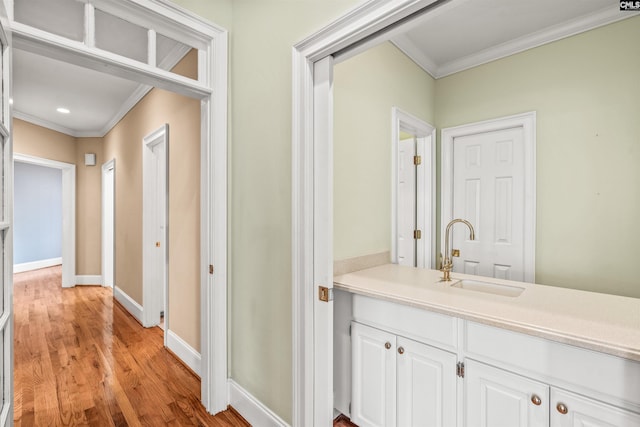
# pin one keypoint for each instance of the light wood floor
(81, 359)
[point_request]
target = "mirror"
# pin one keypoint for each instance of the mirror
(585, 92)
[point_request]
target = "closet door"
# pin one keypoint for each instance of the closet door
(6, 229)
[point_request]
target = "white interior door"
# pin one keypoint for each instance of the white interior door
(489, 180)
(6, 230)
(108, 223)
(154, 219)
(406, 202)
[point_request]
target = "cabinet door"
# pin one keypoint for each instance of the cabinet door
(426, 385)
(373, 377)
(497, 398)
(572, 410)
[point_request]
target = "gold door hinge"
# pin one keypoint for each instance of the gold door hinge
(157, 244)
(460, 369)
(417, 160)
(325, 294)
(417, 234)
(210, 268)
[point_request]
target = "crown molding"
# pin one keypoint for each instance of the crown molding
(45, 123)
(521, 44)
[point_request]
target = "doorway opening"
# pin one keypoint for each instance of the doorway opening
(108, 222)
(413, 196)
(68, 172)
(155, 155)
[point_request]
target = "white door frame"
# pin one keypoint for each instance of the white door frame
(526, 121)
(151, 301)
(212, 43)
(425, 185)
(311, 130)
(68, 212)
(108, 204)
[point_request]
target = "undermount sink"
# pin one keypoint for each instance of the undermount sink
(488, 287)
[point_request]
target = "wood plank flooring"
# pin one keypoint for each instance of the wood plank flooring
(81, 359)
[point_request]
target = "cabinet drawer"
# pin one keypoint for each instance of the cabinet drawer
(431, 328)
(605, 377)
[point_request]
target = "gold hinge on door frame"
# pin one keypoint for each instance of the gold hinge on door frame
(210, 268)
(417, 234)
(417, 160)
(325, 294)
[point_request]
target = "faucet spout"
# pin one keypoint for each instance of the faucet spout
(447, 262)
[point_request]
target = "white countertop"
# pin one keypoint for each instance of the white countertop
(601, 322)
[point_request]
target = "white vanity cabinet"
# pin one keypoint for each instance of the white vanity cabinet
(495, 397)
(397, 381)
(498, 398)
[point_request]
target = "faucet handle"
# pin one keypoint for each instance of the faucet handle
(455, 252)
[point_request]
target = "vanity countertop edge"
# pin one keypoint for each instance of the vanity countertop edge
(601, 322)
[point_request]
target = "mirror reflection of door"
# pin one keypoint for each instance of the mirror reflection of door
(407, 172)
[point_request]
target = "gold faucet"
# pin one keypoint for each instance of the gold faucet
(447, 262)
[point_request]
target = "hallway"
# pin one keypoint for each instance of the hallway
(81, 359)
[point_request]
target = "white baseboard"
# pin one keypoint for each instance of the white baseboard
(251, 408)
(127, 302)
(36, 265)
(184, 351)
(89, 280)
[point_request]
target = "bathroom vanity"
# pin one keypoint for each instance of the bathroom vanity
(411, 350)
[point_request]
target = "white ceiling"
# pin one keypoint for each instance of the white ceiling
(465, 33)
(96, 101)
(457, 35)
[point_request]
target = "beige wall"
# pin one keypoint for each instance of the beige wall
(89, 208)
(35, 140)
(41, 142)
(585, 92)
(366, 87)
(124, 144)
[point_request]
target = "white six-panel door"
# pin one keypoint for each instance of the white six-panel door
(488, 178)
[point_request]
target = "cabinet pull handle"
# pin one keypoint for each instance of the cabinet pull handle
(401, 350)
(535, 399)
(562, 408)
(387, 345)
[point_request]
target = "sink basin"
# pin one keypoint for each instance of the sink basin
(489, 288)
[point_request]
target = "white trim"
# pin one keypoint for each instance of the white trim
(251, 409)
(46, 124)
(68, 213)
(354, 27)
(36, 265)
(89, 280)
(187, 354)
(527, 121)
(110, 165)
(426, 184)
(550, 34)
(212, 43)
(151, 301)
(128, 303)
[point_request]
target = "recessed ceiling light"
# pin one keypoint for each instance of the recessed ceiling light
(63, 110)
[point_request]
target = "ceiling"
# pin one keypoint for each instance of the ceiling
(96, 101)
(458, 35)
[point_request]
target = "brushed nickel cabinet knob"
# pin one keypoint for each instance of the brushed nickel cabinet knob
(401, 350)
(387, 345)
